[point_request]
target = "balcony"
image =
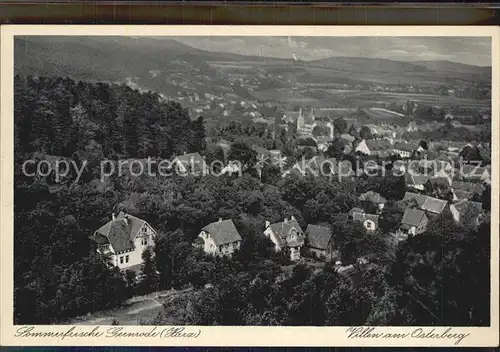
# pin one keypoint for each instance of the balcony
(104, 249)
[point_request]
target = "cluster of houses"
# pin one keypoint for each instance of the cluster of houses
(433, 183)
(123, 239)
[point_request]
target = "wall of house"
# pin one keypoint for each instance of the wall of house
(402, 153)
(419, 187)
(455, 213)
(295, 253)
(272, 236)
(422, 226)
(228, 248)
(178, 166)
(363, 148)
(147, 234)
(317, 253)
(369, 225)
(210, 247)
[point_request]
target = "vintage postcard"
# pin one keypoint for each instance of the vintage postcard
(249, 186)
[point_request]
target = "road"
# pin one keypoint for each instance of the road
(138, 309)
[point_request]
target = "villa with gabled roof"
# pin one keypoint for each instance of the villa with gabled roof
(428, 204)
(220, 238)
(123, 239)
(287, 233)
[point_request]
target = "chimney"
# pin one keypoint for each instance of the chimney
(292, 218)
(125, 218)
(285, 220)
(268, 223)
(220, 219)
(185, 153)
(113, 216)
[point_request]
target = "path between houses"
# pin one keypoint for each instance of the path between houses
(137, 308)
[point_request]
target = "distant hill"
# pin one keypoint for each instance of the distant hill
(121, 59)
(441, 68)
(106, 58)
(454, 67)
(361, 64)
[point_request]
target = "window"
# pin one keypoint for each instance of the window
(126, 258)
(121, 259)
(144, 241)
(368, 225)
(104, 247)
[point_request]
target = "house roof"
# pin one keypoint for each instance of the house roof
(120, 233)
(363, 216)
(318, 236)
(472, 171)
(198, 240)
(355, 210)
(260, 150)
(291, 116)
(282, 229)
(430, 204)
(459, 194)
(222, 232)
(378, 144)
(466, 206)
(412, 124)
(416, 179)
(412, 217)
(443, 181)
(444, 157)
(194, 159)
(425, 163)
(434, 205)
(322, 139)
(408, 147)
(471, 187)
(347, 137)
(373, 197)
(351, 122)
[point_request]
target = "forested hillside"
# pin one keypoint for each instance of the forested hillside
(61, 116)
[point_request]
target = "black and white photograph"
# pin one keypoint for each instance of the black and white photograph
(301, 181)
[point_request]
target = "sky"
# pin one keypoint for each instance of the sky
(467, 50)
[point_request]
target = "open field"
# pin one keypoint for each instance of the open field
(383, 114)
(427, 99)
(367, 99)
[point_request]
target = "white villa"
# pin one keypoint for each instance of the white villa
(123, 239)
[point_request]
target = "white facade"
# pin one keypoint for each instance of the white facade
(125, 259)
(369, 225)
(363, 148)
(402, 153)
(291, 238)
(211, 248)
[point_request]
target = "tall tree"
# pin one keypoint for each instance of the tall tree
(340, 125)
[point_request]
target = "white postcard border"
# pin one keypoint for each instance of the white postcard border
(232, 336)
